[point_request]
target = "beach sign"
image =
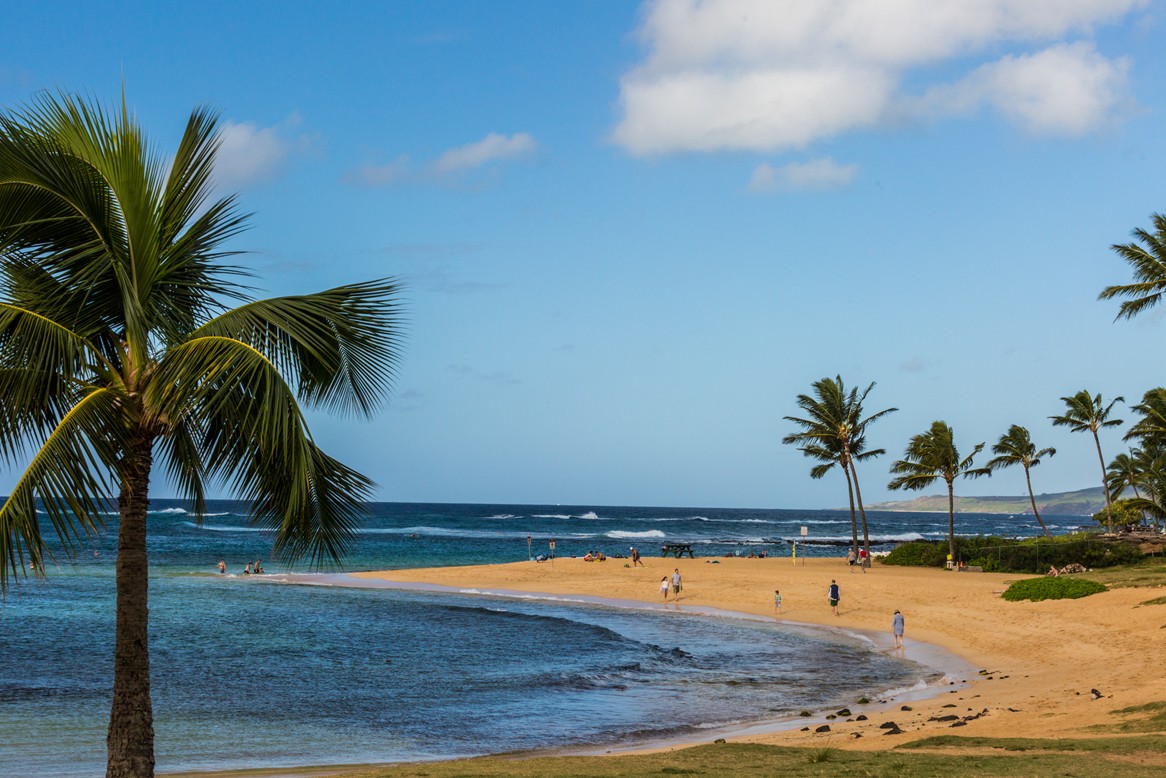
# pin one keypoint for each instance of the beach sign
(805, 531)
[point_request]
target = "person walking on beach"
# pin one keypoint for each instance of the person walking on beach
(776, 601)
(676, 584)
(897, 629)
(664, 587)
(850, 557)
(636, 558)
(834, 596)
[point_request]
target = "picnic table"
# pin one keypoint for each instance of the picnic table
(677, 550)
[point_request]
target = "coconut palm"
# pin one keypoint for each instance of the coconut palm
(1124, 472)
(1087, 413)
(933, 455)
(1015, 447)
(834, 432)
(1148, 261)
(1150, 428)
(117, 351)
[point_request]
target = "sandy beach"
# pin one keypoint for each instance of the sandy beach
(1041, 659)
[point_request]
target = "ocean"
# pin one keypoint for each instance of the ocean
(253, 671)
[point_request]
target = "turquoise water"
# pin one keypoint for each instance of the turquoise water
(248, 672)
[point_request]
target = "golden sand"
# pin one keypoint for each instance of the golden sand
(1043, 658)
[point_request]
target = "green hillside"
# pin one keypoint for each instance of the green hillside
(1083, 502)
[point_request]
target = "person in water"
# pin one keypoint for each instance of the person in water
(258, 566)
(247, 569)
(222, 566)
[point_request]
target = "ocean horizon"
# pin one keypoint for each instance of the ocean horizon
(254, 671)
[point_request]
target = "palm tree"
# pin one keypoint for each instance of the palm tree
(835, 432)
(117, 349)
(932, 455)
(1015, 447)
(1084, 413)
(1148, 262)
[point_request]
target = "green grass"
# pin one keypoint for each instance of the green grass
(1052, 588)
(1118, 757)
(1150, 717)
(1149, 573)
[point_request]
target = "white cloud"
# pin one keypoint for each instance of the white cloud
(769, 75)
(816, 175)
(380, 175)
(488, 149)
(451, 163)
(1065, 89)
(249, 154)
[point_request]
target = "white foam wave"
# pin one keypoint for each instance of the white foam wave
(652, 533)
(551, 516)
(502, 516)
(588, 515)
(222, 527)
(172, 511)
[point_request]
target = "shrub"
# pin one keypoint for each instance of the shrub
(1031, 555)
(1052, 588)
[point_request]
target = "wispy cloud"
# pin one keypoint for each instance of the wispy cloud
(816, 175)
(448, 166)
(250, 154)
(499, 377)
(776, 75)
(488, 149)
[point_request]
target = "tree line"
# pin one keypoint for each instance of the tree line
(832, 429)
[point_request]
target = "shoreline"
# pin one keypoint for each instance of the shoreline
(1033, 665)
(942, 668)
(1040, 659)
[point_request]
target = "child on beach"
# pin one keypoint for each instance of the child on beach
(776, 601)
(664, 586)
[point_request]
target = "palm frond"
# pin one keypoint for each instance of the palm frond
(71, 475)
(342, 345)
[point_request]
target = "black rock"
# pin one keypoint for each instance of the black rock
(960, 724)
(823, 728)
(905, 707)
(843, 712)
(860, 717)
(888, 725)
(719, 740)
(944, 718)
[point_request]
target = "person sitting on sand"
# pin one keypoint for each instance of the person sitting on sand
(588, 557)
(600, 557)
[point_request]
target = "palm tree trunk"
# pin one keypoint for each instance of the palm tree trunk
(951, 521)
(1105, 486)
(853, 521)
(862, 513)
(1035, 512)
(130, 741)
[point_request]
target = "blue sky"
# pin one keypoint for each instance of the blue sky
(632, 233)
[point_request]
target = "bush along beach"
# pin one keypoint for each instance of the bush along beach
(1052, 588)
(1030, 555)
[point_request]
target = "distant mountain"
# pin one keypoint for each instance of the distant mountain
(1083, 502)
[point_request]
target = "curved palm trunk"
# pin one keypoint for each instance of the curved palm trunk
(1104, 486)
(951, 520)
(130, 741)
(853, 521)
(862, 514)
(1032, 499)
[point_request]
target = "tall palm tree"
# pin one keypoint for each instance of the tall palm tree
(1087, 413)
(117, 350)
(834, 431)
(933, 455)
(1148, 262)
(1015, 447)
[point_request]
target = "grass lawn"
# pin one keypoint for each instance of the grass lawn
(1126, 757)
